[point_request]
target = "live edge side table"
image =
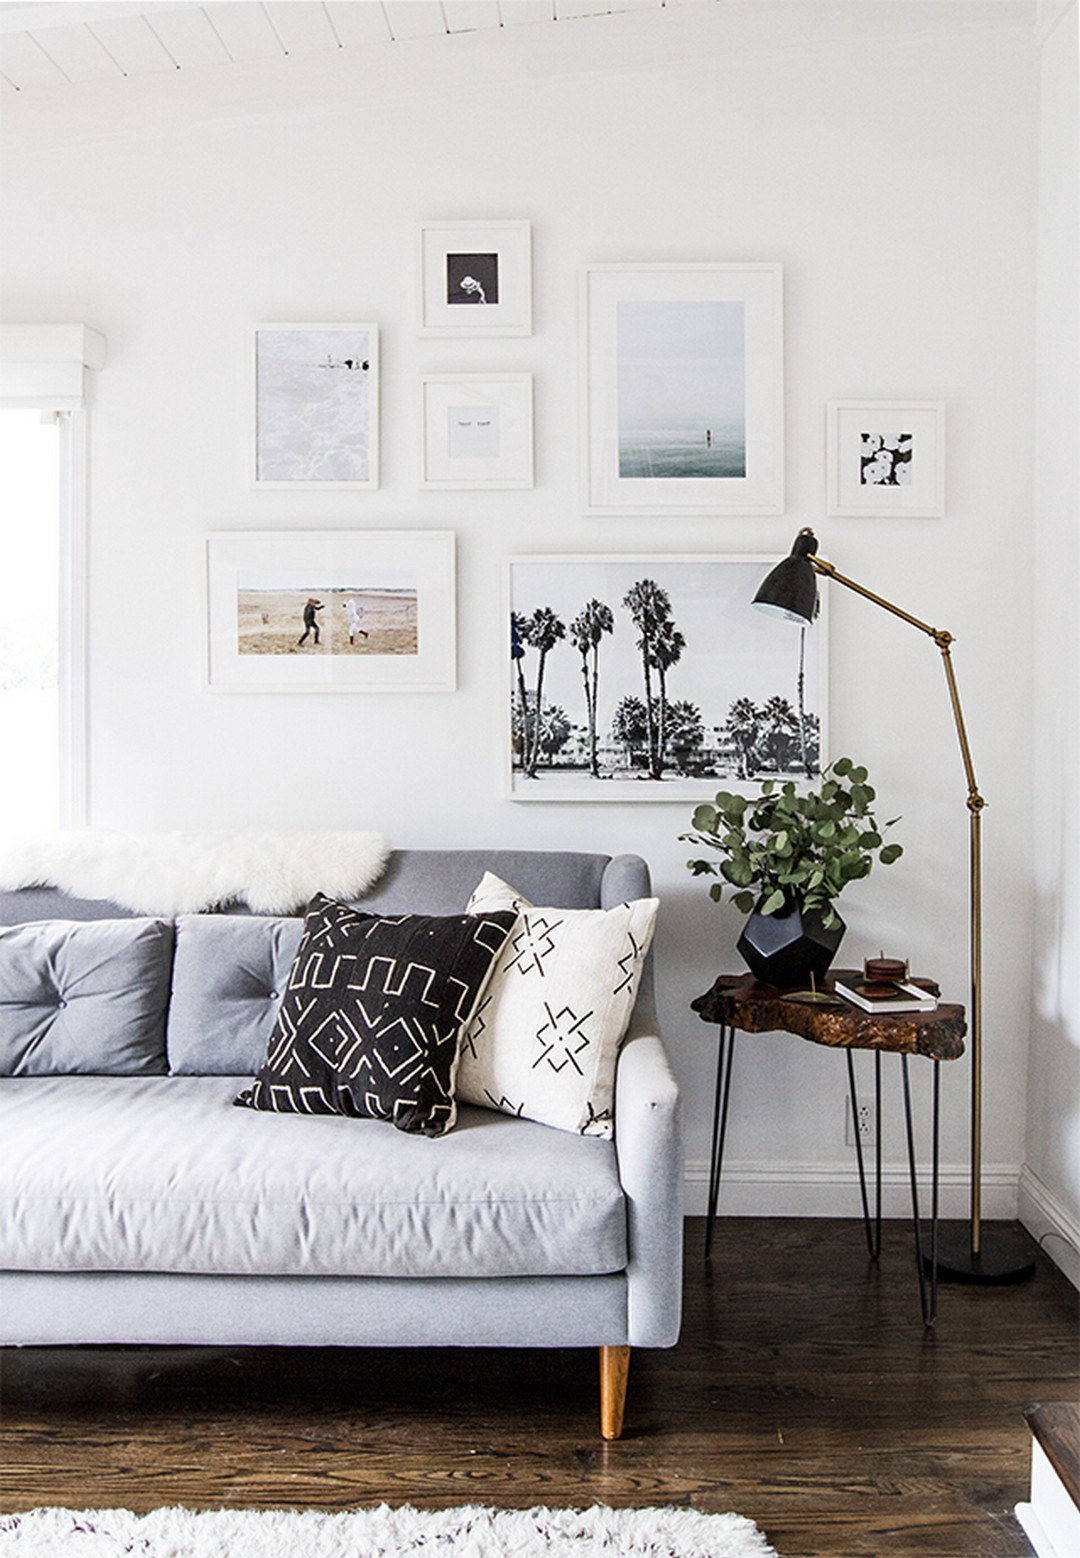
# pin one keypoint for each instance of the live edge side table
(738, 1004)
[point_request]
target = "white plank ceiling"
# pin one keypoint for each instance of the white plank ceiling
(51, 43)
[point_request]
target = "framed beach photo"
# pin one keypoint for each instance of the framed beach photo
(886, 458)
(476, 430)
(331, 611)
(682, 389)
(316, 406)
(476, 278)
(644, 678)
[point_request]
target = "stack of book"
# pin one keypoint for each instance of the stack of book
(894, 996)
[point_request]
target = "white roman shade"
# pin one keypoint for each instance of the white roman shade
(47, 362)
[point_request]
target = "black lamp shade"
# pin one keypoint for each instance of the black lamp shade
(790, 590)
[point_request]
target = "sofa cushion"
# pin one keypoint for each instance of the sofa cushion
(545, 1038)
(371, 1020)
(229, 974)
(163, 1174)
(84, 997)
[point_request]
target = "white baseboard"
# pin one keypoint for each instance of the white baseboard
(832, 1189)
(1051, 1223)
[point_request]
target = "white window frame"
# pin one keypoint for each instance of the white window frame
(45, 368)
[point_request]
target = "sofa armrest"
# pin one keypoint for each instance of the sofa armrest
(649, 1147)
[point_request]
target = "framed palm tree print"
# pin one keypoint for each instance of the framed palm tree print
(652, 678)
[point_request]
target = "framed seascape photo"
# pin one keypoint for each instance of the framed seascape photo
(682, 386)
(331, 611)
(886, 457)
(476, 278)
(477, 430)
(654, 679)
(316, 406)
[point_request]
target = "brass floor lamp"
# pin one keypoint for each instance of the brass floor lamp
(790, 591)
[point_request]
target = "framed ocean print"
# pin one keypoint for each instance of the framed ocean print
(476, 278)
(316, 406)
(652, 678)
(682, 389)
(886, 458)
(331, 611)
(476, 430)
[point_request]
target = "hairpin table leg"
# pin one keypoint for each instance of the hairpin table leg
(927, 1299)
(725, 1056)
(873, 1232)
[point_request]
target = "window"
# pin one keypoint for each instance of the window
(43, 388)
(30, 593)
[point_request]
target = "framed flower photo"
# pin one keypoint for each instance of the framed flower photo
(475, 278)
(476, 431)
(886, 458)
(652, 678)
(682, 386)
(316, 406)
(331, 611)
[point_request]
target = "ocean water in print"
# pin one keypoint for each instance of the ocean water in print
(313, 406)
(684, 452)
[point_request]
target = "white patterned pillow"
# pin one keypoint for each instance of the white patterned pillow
(545, 1038)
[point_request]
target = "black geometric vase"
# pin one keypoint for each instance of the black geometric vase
(784, 949)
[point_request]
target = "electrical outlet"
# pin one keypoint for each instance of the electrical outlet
(866, 1122)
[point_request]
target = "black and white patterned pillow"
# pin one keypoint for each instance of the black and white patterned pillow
(544, 1039)
(371, 1020)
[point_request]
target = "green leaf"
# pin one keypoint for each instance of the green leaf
(842, 766)
(701, 867)
(705, 818)
(773, 902)
(744, 902)
(859, 776)
(890, 853)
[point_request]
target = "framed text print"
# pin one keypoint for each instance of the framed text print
(316, 406)
(477, 430)
(886, 457)
(331, 611)
(682, 383)
(644, 678)
(476, 278)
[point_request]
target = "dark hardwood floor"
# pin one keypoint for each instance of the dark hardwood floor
(804, 1393)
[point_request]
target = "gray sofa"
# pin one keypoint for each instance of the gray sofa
(143, 1208)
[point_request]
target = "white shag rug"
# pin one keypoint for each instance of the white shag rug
(185, 873)
(471, 1532)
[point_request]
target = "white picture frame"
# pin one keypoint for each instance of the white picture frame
(476, 431)
(315, 406)
(476, 278)
(381, 618)
(886, 457)
(725, 671)
(682, 389)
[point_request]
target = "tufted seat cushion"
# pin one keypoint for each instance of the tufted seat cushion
(79, 997)
(168, 1176)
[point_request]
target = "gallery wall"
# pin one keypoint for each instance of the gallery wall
(893, 177)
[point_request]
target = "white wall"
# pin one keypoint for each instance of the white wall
(1050, 1198)
(894, 177)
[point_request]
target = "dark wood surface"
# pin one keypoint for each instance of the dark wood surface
(740, 1002)
(805, 1393)
(1056, 1427)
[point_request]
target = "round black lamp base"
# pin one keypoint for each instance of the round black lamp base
(1004, 1255)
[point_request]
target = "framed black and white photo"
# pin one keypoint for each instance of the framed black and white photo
(648, 678)
(476, 278)
(682, 389)
(886, 457)
(476, 430)
(331, 611)
(316, 406)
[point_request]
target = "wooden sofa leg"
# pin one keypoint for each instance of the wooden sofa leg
(614, 1370)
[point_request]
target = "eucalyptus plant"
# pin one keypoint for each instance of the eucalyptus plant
(786, 848)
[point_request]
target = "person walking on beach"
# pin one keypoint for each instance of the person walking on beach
(311, 624)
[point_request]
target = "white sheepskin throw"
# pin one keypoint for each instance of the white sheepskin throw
(185, 873)
(382, 1533)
